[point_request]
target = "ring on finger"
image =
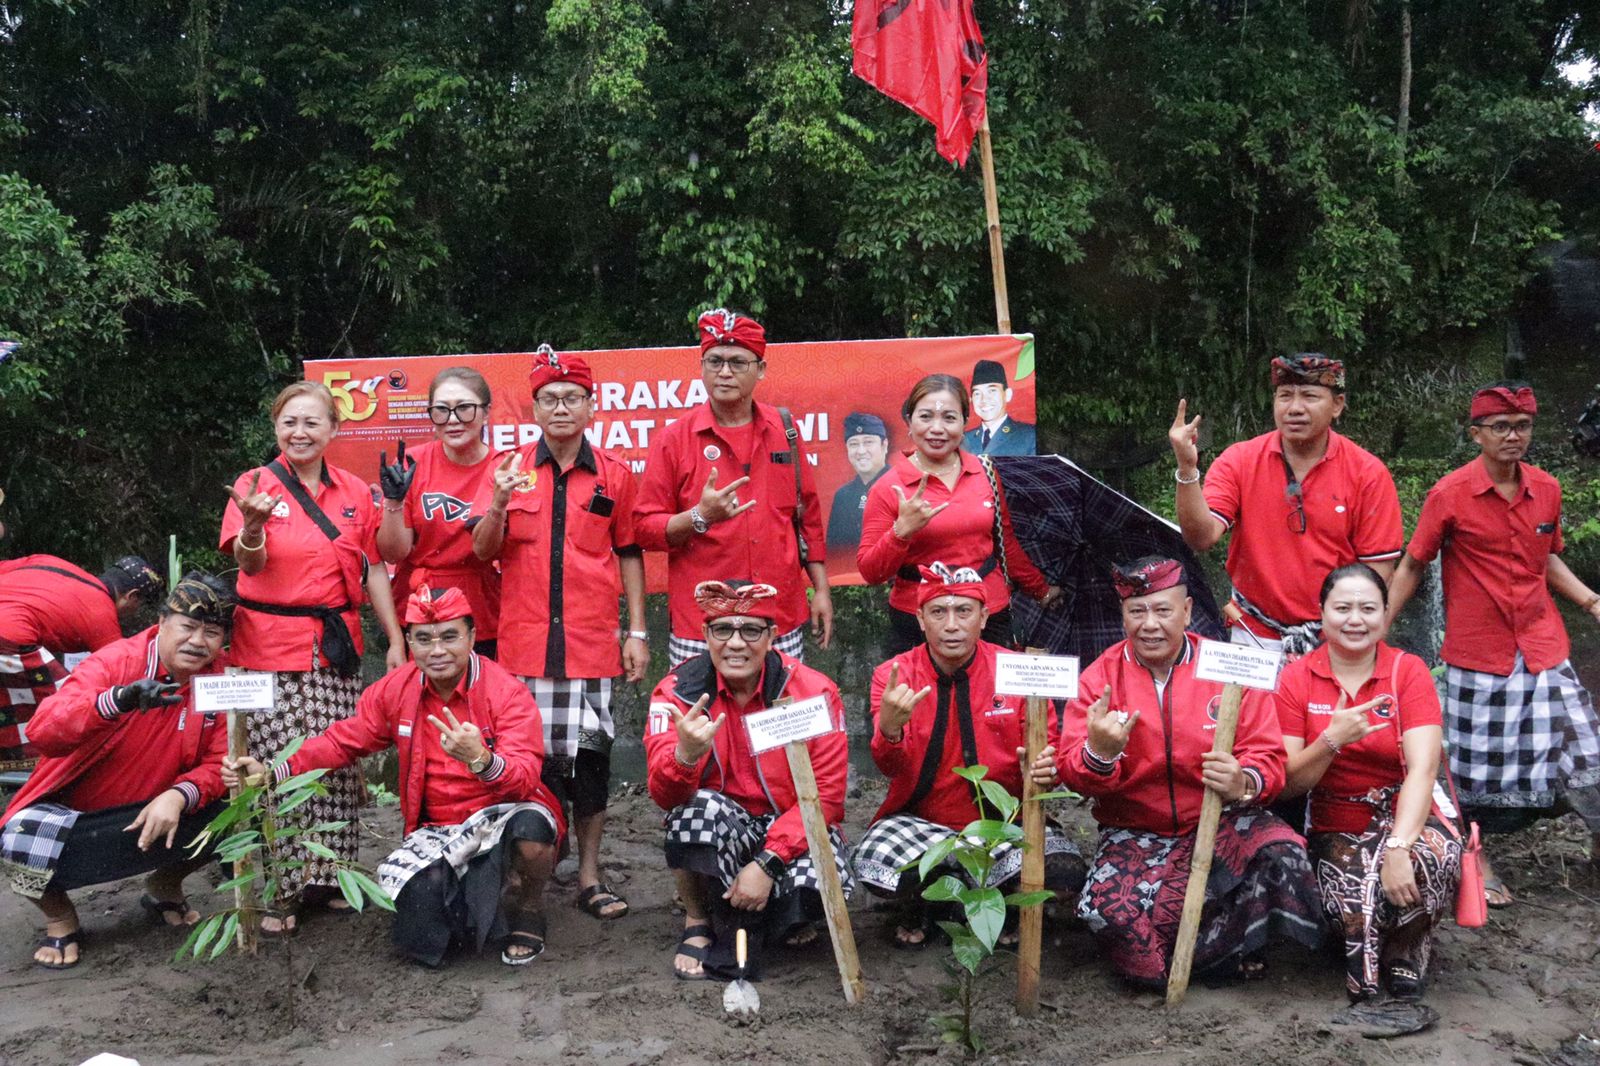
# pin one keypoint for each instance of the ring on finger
(1120, 716)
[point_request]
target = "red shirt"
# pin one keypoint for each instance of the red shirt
(758, 545)
(1155, 787)
(1496, 553)
(394, 710)
(95, 756)
(999, 727)
(960, 535)
(558, 615)
(304, 568)
(1352, 514)
(54, 611)
(437, 510)
(1307, 695)
(761, 784)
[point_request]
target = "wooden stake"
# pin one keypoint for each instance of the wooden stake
(833, 901)
(997, 249)
(1205, 842)
(1030, 924)
(244, 903)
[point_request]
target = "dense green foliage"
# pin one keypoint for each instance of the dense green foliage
(194, 196)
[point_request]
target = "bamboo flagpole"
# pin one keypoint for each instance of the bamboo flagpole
(1030, 920)
(997, 249)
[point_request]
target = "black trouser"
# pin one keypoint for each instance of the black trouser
(779, 919)
(100, 848)
(583, 785)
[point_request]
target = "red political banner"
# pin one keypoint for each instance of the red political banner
(929, 56)
(836, 390)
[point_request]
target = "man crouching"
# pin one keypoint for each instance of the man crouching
(474, 807)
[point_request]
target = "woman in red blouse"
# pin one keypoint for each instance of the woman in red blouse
(428, 502)
(1361, 725)
(937, 503)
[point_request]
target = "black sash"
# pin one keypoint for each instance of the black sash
(957, 685)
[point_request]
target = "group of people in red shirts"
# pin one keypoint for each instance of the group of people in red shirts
(513, 572)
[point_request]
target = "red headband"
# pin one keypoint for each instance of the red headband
(725, 327)
(551, 366)
(720, 599)
(1151, 577)
(426, 607)
(1500, 400)
(939, 580)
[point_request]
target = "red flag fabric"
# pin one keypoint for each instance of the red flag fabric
(928, 55)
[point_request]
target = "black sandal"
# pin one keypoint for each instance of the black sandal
(158, 909)
(697, 952)
(594, 900)
(1405, 983)
(59, 944)
(531, 938)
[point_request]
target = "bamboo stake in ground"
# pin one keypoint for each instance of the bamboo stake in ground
(833, 901)
(997, 249)
(1205, 842)
(1030, 924)
(239, 746)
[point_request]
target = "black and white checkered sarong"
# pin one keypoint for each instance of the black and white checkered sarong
(31, 843)
(711, 819)
(893, 842)
(576, 713)
(458, 845)
(682, 649)
(1520, 740)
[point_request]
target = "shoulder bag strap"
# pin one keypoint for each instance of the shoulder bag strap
(999, 518)
(303, 498)
(91, 582)
(793, 437)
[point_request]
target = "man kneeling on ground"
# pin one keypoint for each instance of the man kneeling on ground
(735, 840)
(129, 774)
(471, 747)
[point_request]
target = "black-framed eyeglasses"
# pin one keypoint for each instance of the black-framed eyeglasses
(749, 632)
(570, 400)
(439, 413)
(1502, 429)
(1297, 517)
(449, 639)
(715, 364)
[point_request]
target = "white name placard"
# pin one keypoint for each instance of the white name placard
(1051, 676)
(788, 723)
(244, 692)
(1237, 664)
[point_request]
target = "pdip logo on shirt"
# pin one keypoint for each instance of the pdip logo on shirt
(349, 512)
(1213, 709)
(1386, 708)
(998, 706)
(445, 507)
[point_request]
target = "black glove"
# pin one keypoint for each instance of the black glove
(396, 477)
(144, 694)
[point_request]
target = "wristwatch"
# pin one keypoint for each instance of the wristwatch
(480, 764)
(1396, 843)
(769, 861)
(698, 521)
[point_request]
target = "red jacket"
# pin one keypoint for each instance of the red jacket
(999, 727)
(96, 757)
(387, 713)
(1155, 787)
(759, 783)
(64, 612)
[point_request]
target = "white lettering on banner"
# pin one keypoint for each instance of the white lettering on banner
(245, 692)
(502, 437)
(641, 396)
(791, 722)
(611, 393)
(1237, 664)
(1050, 676)
(527, 434)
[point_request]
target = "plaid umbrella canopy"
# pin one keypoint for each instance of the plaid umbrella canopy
(1075, 528)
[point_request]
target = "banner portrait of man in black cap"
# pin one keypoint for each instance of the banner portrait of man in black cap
(997, 433)
(866, 441)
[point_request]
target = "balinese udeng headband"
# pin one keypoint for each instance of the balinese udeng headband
(1500, 400)
(939, 580)
(861, 424)
(722, 599)
(550, 366)
(203, 598)
(1151, 577)
(1308, 368)
(428, 606)
(721, 326)
(142, 577)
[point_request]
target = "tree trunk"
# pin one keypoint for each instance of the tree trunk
(1402, 123)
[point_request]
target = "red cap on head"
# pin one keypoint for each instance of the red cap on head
(550, 366)
(427, 606)
(1144, 578)
(1499, 400)
(721, 599)
(939, 580)
(725, 327)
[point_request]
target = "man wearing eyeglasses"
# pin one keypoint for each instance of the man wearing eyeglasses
(1299, 502)
(728, 490)
(1523, 736)
(735, 840)
(470, 746)
(558, 515)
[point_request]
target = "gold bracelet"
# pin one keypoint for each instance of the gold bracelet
(1592, 601)
(262, 543)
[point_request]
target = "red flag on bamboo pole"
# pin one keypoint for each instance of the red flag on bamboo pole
(928, 55)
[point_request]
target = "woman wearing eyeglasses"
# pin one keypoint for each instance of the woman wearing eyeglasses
(427, 503)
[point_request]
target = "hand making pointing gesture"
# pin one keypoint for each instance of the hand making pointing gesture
(696, 731)
(898, 703)
(915, 511)
(1185, 438)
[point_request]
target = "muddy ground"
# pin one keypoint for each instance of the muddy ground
(1525, 989)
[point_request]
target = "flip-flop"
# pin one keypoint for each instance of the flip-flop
(60, 944)
(1382, 1019)
(1495, 887)
(594, 900)
(158, 909)
(527, 938)
(696, 952)
(284, 930)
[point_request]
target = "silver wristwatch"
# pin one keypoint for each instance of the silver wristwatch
(698, 521)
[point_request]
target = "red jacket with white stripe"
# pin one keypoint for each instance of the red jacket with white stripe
(761, 784)
(388, 713)
(96, 757)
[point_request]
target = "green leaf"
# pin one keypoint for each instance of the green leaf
(375, 892)
(350, 888)
(204, 934)
(935, 856)
(971, 773)
(1058, 794)
(976, 862)
(993, 833)
(240, 881)
(327, 827)
(299, 781)
(288, 752)
(299, 800)
(322, 851)
(945, 890)
(999, 798)
(986, 914)
(225, 940)
(968, 950)
(1029, 899)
